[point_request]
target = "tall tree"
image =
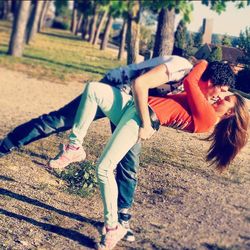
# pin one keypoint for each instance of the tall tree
(79, 23)
(60, 6)
(86, 8)
(133, 32)
(180, 35)
(123, 39)
(85, 27)
(93, 23)
(45, 8)
(216, 39)
(115, 9)
(104, 42)
(215, 55)
(18, 31)
(32, 26)
(164, 39)
(100, 25)
(180, 39)
(73, 25)
(198, 40)
(244, 44)
(190, 49)
(5, 9)
(226, 40)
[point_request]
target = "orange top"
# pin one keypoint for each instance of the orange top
(189, 111)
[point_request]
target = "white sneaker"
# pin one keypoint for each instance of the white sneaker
(124, 221)
(69, 154)
(111, 237)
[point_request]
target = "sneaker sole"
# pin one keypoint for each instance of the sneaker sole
(64, 166)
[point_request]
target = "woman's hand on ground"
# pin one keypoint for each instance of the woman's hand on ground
(145, 133)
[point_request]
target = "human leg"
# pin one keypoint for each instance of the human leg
(126, 178)
(124, 137)
(42, 126)
(126, 175)
(110, 100)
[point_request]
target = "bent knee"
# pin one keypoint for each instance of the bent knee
(104, 170)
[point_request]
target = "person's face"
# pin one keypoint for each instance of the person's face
(213, 92)
(225, 106)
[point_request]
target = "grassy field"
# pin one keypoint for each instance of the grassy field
(58, 56)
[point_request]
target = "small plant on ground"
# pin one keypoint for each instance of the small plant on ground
(81, 178)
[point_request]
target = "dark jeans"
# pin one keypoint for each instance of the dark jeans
(62, 120)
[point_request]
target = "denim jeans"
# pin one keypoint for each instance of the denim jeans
(62, 120)
(119, 107)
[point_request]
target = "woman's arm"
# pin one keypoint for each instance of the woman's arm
(199, 105)
(154, 78)
(196, 98)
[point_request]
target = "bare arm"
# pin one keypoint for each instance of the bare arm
(140, 87)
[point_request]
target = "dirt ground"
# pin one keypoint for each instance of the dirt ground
(181, 202)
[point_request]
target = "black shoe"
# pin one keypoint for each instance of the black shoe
(124, 221)
(3, 149)
(2, 154)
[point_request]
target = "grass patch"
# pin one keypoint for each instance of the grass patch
(57, 56)
(80, 179)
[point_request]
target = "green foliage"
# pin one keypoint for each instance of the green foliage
(244, 44)
(216, 39)
(146, 39)
(181, 36)
(181, 7)
(86, 6)
(235, 41)
(244, 40)
(226, 40)
(81, 180)
(215, 55)
(118, 8)
(198, 40)
(62, 7)
(63, 15)
(220, 5)
(190, 48)
(60, 23)
(243, 80)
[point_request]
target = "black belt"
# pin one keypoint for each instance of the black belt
(155, 123)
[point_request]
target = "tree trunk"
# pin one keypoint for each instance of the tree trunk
(32, 26)
(108, 27)
(14, 6)
(133, 34)
(1, 10)
(6, 9)
(164, 40)
(123, 40)
(93, 26)
(85, 27)
(74, 19)
(79, 24)
(18, 31)
(44, 11)
(98, 31)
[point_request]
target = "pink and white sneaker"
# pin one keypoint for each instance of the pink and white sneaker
(111, 237)
(69, 154)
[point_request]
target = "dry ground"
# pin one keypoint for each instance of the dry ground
(180, 202)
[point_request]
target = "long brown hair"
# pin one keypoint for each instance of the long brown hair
(229, 136)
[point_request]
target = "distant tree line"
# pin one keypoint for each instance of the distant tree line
(93, 19)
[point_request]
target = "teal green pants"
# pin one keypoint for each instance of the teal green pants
(120, 109)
